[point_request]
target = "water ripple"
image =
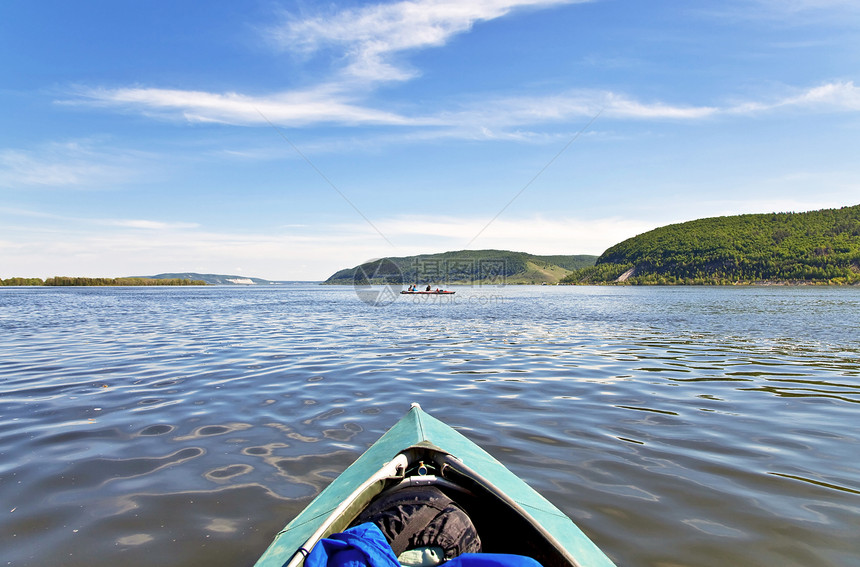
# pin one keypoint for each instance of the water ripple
(187, 426)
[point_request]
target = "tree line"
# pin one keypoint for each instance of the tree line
(79, 281)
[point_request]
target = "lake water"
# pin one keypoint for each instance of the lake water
(185, 426)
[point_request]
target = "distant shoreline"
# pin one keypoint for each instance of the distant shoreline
(64, 281)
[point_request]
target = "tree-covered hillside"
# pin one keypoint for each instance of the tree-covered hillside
(464, 267)
(817, 247)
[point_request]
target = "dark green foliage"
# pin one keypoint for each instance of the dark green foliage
(567, 262)
(817, 247)
(597, 273)
(22, 281)
(463, 266)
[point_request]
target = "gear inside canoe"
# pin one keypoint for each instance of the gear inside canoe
(508, 516)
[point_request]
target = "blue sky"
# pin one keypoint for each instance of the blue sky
(289, 139)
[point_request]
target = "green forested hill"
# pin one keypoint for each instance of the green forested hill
(818, 246)
(465, 267)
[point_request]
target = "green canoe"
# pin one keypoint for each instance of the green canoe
(509, 515)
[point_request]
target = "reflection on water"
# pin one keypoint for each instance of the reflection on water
(676, 426)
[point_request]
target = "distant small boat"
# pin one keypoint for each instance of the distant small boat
(435, 292)
(509, 516)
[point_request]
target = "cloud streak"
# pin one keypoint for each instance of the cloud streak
(369, 44)
(487, 119)
(537, 234)
(143, 224)
(297, 108)
(86, 245)
(71, 164)
(78, 246)
(371, 36)
(839, 96)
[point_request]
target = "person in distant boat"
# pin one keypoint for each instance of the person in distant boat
(411, 288)
(428, 287)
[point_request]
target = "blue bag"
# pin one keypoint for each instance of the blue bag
(491, 560)
(363, 545)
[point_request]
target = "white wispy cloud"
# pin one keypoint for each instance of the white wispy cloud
(798, 6)
(487, 119)
(67, 220)
(839, 13)
(147, 224)
(566, 106)
(838, 96)
(537, 234)
(842, 95)
(295, 108)
(371, 42)
(367, 38)
(371, 36)
(112, 248)
(116, 247)
(74, 163)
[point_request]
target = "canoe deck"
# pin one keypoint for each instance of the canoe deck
(509, 515)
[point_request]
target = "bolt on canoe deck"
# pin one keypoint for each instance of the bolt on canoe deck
(510, 516)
